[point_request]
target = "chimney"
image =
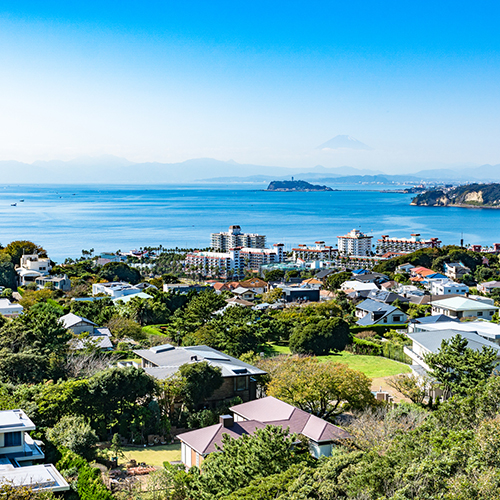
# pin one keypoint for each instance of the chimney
(226, 420)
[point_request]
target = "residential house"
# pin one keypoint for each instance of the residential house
(324, 274)
(385, 296)
(376, 278)
(312, 281)
(455, 270)
(163, 361)
(461, 307)
(126, 298)
(9, 309)
(90, 334)
(485, 329)
(373, 312)
(488, 286)
(357, 286)
(239, 302)
(244, 293)
(404, 268)
(409, 291)
(389, 285)
(116, 289)
(246, 418)
(18, 451)
(257, 285)
(31, 267)
(306, 293)
(425, 342)
(447, 287)
(61, 282)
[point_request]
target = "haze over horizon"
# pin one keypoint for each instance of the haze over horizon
(264, 84)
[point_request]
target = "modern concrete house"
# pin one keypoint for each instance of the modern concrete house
(18, 451)
(248, 417)
(163, 361)
(447, 287)
(32, 267)
(59, 282)
(10, 310)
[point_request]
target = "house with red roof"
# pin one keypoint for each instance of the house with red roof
(246, 418)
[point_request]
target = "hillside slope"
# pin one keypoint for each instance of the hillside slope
(471, 195)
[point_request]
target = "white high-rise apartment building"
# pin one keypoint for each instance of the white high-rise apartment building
(234, 238)
(355, 243)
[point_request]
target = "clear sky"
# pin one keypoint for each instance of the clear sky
(257, 82)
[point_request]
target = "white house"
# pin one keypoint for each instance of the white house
(461, 307)
(31, 267)
(18, 451)
(488, 286)
(455, 270)
(10, 310)
(447, 287)
(116, 289)
(357, 286)
(244, 293)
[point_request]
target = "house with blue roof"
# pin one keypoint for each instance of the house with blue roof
(373, 312)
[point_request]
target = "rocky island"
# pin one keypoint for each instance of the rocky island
(296, 186)
(468, 196)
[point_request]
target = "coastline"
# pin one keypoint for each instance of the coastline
(458, 205)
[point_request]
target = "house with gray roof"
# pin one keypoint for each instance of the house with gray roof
(163, 361)
(429, 341)
(246, 418)
(462, 307)
(87, 333)
(373, 312)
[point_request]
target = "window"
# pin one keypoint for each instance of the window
(241, 383)
(397, 318)
(480, 313)
(12, 439)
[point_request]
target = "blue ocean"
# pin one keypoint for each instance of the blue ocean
(67, 219)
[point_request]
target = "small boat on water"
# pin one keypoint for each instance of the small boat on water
(21, 201)
(13, 204)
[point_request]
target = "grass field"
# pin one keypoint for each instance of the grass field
(153, 330)
(371, 366)
(153, 455)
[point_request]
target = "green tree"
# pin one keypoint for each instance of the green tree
(121, 328)
(120, 270)
(74, 432)
(323, 389)
(16, 249)
(200, 381)
(334, 281)
(99, 311)
(268, 451)
(459, 368)
(320, 338)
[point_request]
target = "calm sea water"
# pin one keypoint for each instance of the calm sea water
(67, 219)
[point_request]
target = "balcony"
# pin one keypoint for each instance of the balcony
(31, 451)
(416, 357)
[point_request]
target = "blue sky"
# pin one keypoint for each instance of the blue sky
(257, 82)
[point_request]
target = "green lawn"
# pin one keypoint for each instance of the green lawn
(153, 455)
(371, 366)
(153, 330)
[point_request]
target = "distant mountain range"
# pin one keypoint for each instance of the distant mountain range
(113, 170)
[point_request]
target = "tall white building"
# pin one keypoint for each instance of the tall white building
(236, 260)
(412, 244)
(234, 238)
(318, 252)
(355, 243)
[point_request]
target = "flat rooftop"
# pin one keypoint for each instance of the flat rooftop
(15, 421)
